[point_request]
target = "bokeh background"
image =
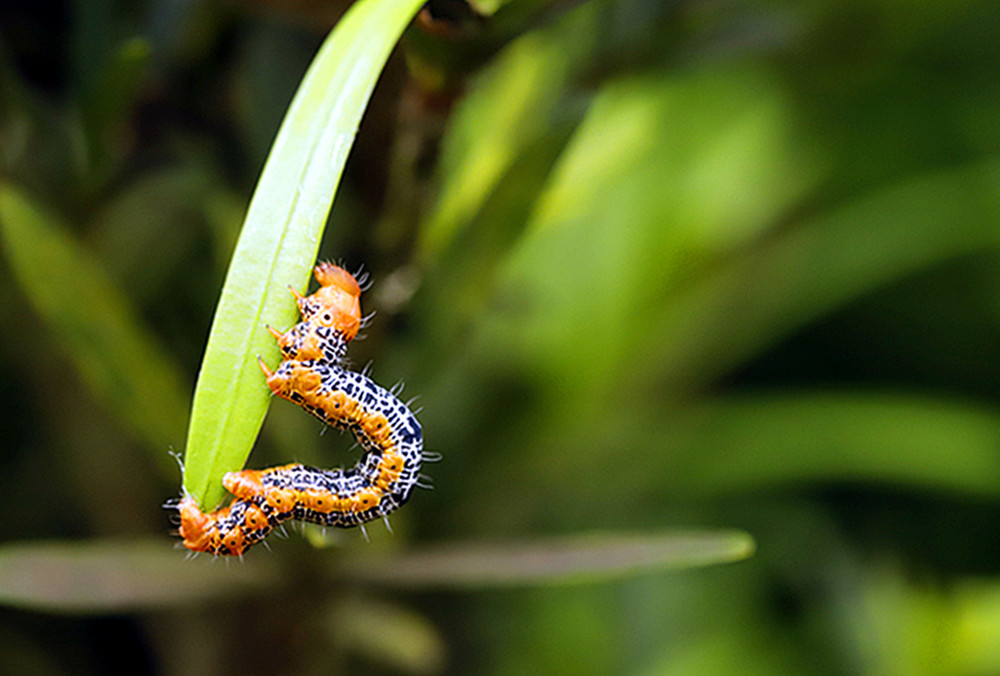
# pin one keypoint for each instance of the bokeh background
(648, 264)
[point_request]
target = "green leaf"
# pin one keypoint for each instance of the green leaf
(119, 576)
(665, 177)
(795, 438)
(742, 444)
(114, 354)
(509, 108)
(582, 558)
(280, 238)
(487, 7)
(171, 204)
(768, 292)
(387, 634)
(108, 101)
(109, 576)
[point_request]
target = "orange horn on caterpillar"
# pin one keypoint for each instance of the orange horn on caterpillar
(264, 367)
(329, 274)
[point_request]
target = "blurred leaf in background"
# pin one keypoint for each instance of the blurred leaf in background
(648, 265)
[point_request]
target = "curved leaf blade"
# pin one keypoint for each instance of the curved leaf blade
(101, 577)
(114, 576)
(577, 559)
(280, 238)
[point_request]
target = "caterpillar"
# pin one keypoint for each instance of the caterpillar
(312, 375)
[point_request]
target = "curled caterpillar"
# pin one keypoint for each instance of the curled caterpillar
(311, 375)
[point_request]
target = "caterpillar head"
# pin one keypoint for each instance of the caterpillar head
(336, 303)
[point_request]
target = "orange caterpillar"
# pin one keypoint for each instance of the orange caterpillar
(311, 375)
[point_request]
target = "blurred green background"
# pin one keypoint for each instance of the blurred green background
(647, 263)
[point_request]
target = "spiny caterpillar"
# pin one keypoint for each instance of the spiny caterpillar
(311, 375)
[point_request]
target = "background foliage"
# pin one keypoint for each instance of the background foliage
(709, 265)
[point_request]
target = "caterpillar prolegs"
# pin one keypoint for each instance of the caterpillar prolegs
(312, 375)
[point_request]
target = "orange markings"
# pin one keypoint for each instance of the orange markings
(318, 500)
(234, 541)
(302, 380)
(254, 519)
(281, 500)
(244, 484)
(389, 469)
(365, 499)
